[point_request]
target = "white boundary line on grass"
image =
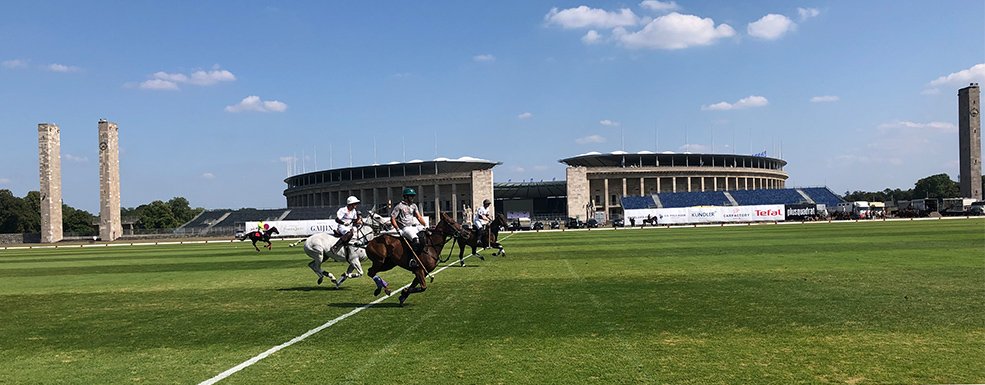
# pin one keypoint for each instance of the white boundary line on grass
(309, 333)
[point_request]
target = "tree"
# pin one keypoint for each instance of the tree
(77, 222)
(157, 215)
(181, 210)
(936, 186)
(16, 215)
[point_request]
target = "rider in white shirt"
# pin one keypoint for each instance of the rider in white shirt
(482, 216)
(347, 217)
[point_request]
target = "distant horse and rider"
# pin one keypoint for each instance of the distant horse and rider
(389, 251)
(261, 236)
(485, 238)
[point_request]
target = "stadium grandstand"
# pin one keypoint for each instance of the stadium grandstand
(788, 196)
(534, 200)
(597, 182)
(447, 185)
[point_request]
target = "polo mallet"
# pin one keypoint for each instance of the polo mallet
(409, 246)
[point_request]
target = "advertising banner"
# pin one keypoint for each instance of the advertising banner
(296, 228)
(800, 212)
(709, 214)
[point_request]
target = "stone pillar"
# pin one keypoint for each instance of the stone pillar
(50, 165)
(437, 201)
(454, 201)
(578, 191)
(970, 142)
(482, 188)
(110, 226)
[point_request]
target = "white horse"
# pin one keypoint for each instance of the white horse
(319, 248)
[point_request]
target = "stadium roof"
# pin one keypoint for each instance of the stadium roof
(420, 167)
(529, 190)
(647, 158)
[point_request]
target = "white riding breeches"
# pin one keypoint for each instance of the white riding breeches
(410, 232)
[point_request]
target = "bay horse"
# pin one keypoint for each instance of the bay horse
(484, 239)
(264, 236)
(388, 251)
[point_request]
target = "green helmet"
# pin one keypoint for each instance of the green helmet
(409, 191)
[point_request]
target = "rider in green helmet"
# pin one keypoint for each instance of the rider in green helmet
(406, 217)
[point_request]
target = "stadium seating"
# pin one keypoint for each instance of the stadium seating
(634, 202)
(690, 199)
(767, 197)
(311, 213)
(823, 195)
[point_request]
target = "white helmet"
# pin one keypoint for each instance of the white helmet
(351, 200)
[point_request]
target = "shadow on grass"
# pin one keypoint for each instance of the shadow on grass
(310, 288)
(350, 305)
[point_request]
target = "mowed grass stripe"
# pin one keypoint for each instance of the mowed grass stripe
(722, 305)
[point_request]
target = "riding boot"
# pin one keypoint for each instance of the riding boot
(341, 242)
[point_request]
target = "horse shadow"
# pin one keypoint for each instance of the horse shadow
(350, 305)
(308, 288)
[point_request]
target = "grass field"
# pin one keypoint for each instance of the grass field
(856, 303)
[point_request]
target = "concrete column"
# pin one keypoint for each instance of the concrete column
(50, 166)
(578, 191)
(110, 226)
(454, 201)
(482, 188)
(437, 201)
(688, 184)
(970, 142)
(605, 196)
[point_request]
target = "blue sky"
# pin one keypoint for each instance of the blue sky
(220, 101)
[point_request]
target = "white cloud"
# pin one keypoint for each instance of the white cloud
(75, 159)
(14, 64)
(746, 102)
(825, 99)
(674, 31)
(931, 126)
(771, 27)
(807, 13)
(253, 103)
(208, 175)
(609, 123)
(158, 84)
(483, 58)
(590, 139)
(4, 180)
(519, 169)
(659, 6)
(591, 37)
(169, 81)
(525, 116)
(585, 17)
(62, 68)
(961, 78)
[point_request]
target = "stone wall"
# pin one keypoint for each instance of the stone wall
(578, 191)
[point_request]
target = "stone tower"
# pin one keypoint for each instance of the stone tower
(110, 226)
(970, 141)
(50, 164)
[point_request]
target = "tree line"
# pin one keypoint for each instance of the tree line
(934, 186)
(23, 215)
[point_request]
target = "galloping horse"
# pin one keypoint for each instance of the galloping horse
(484, 239)
(265, 236)
(389, 251)
(319, 248)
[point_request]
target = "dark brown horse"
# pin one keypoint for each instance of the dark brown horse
(264, 236)
(484, 239)
(389, 251)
